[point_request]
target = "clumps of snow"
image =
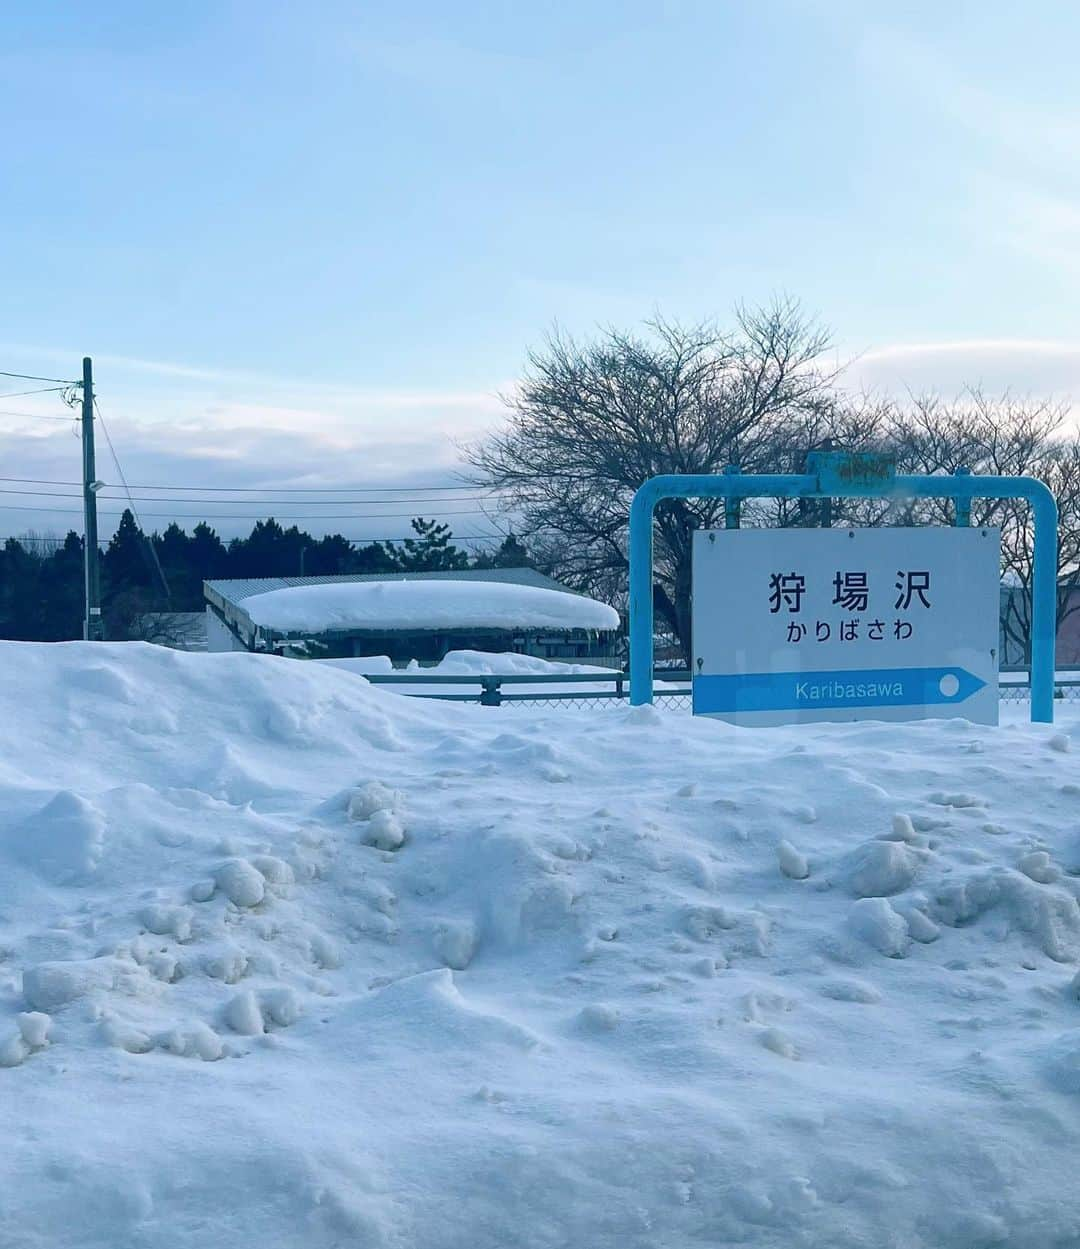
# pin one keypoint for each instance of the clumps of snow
(1038, 867)
(122, 1035)
(34, 1026)
(848, 989)
(241, 882)
(244, 1016)
(708, 967)
(598, 1017)
(384, 831)
(364, 802)
(251, 1014)
(1051, 914)
(14, 1051)
(456, 943)
(378, 809)
(903, 829)
(959, 800)
(1060, 742)
(277, 874)
(324, 952)
(881, 868)
(170, 921)
(49, 986)
(792, 862)
(874, 921)
(921, 927)
(226, 962)
(63, 842)
(194, 1040)
(32, 1034)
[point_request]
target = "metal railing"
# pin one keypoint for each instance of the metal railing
(488, 690)
(672, 688)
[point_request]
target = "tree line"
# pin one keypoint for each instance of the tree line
(150, 581)
(590, 421)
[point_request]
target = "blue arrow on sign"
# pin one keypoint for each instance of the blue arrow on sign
(823, 691)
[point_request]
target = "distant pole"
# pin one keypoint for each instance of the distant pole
(303, 552)
(92, 630)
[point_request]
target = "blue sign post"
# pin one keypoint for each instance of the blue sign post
(839, 475)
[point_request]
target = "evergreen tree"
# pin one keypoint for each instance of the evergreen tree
(208, 556)
(61, 590)
(373, 558)
(127, 563)
(19, 570)
(510, 553)
(430, 551)
(268, 551)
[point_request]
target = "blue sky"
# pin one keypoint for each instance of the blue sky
(309, 243)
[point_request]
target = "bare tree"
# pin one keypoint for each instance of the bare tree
(1003, 436)
(591, 422)
(178, 630)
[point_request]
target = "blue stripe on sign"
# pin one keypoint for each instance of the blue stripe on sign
(822, 691)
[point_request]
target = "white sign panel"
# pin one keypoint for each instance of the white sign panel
(798, 625)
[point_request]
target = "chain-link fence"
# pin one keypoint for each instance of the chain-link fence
(1067, 691)
(678, 702)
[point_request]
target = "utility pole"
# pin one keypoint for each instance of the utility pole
(92, 630)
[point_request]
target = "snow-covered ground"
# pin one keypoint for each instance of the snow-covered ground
(291, 961)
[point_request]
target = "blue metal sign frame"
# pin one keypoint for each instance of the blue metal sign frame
(835, 475)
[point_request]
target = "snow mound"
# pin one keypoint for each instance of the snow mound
(352, 969)
(63, 842)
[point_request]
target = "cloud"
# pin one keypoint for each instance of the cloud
(1045, 368)
(305, 438)
(1018, 158)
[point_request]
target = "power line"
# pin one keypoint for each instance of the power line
(287, 489)
(45, 390)
(43, 416)
(120, 473)
(264, 491)
(157, 498)
(20, 507)
(30, 377)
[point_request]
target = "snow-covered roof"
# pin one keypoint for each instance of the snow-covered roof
(236, 589)
(424, 605)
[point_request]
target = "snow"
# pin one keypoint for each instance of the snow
(630, 979)
(428, 604)
(792, 862)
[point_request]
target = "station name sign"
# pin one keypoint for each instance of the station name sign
(795, 625)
